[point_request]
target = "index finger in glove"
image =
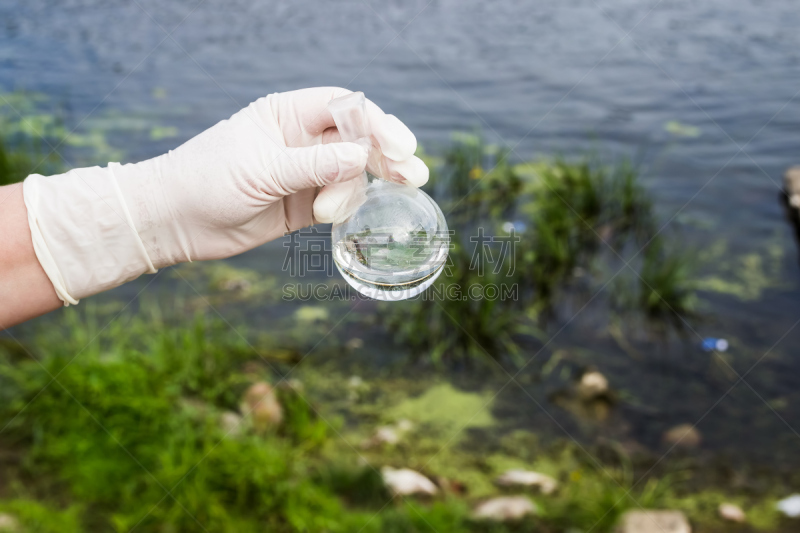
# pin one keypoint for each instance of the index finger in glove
(411, 171)
(304, 117)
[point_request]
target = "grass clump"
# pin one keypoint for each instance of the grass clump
(132, 432)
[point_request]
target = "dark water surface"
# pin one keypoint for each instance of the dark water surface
(542, 77)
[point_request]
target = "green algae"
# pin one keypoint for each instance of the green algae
(446, 409)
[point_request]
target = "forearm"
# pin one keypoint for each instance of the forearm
(25, 290)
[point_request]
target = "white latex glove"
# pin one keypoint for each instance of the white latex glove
(237, 185)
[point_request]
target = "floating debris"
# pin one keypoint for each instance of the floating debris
(790, 506)
(681, 130)
(710, 344)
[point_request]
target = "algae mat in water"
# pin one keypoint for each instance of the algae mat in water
(447, 408)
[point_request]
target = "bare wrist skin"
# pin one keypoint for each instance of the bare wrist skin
(25, 290)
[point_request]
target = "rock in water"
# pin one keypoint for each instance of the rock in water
(790, 506)
(791, 185)
(651, 521)
(354, 344)
(504, 508)
(685, 435)
(261, 405)
(527, 478)
(404, 482)
(731, 512)
(592, 385)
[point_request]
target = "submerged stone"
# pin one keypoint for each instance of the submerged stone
(685, 435)
(592, 385)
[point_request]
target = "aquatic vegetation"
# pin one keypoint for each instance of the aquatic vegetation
(745, 276)
(445, 324)
(37, 136)
(564, 229)
(446, 408)
(682, 130)
(665, 291)
(476, 180)
(13, 165)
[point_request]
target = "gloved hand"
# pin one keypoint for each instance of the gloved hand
(237, 185)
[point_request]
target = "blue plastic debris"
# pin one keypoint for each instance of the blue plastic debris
(710, 344)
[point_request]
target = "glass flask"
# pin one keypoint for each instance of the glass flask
(392, 242)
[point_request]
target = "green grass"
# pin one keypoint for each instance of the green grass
(118, 428)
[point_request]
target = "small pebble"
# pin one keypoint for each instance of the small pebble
(731, 512)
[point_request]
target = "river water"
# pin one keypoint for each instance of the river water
(704, 92)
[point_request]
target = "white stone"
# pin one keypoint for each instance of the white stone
(505, 508)
(790, 506)
(386, 435)
(652, 521)
(685, 435)
(8, 523)
(592, 385)
(231, 423)
(528, 478)
(404, 482)
(731, 512)
(354, 344)
(791, 184)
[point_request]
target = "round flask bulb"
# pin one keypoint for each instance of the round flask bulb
(394, 245)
